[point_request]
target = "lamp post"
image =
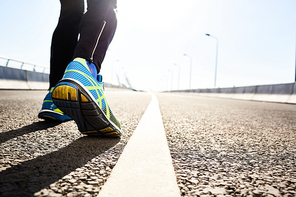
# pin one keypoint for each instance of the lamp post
(178, 75)
(216, 57)
(190, 70)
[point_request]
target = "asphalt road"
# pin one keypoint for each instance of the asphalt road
(50, 159)
(218, 146)
(231, 147)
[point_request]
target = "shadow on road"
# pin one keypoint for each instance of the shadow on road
(32, 176)
(35, 126)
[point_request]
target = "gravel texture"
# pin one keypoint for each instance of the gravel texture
(39, 158)
(226, 147)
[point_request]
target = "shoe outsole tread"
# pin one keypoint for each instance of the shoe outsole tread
(76, 102)
(50, 115)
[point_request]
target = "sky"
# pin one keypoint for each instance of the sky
(256, 41)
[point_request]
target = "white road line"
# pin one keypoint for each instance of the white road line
(145, 166)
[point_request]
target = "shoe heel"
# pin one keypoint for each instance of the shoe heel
(68, 98)
(65, 92)
(65, 97)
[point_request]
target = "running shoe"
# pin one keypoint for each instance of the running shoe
(49, 110)
(80, 95)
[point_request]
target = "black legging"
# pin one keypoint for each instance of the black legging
(72, 22)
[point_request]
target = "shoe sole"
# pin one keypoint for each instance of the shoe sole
(50, 115)
(78, 103)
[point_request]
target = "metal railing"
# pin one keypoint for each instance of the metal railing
(22, 65)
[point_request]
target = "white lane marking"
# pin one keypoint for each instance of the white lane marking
(145, 166)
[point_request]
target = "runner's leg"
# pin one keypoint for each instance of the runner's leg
(97, 29)
(64, 39)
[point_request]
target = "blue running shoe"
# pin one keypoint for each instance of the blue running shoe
(49, 110)
(80, 95)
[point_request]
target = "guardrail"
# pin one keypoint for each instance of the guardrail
(12, 63)
(282, 93)
(15, 74)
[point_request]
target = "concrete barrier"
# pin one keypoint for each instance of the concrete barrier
(292, 99)
(282, 93)
(12, 74)
(12, 78)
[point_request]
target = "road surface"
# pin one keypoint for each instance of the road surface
(217, 146)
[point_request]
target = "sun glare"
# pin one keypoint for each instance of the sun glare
(153, 14)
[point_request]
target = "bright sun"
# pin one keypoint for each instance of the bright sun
(153, 14)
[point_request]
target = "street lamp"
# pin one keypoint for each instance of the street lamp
(178, 75)
(216, 57)
(190, 70)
